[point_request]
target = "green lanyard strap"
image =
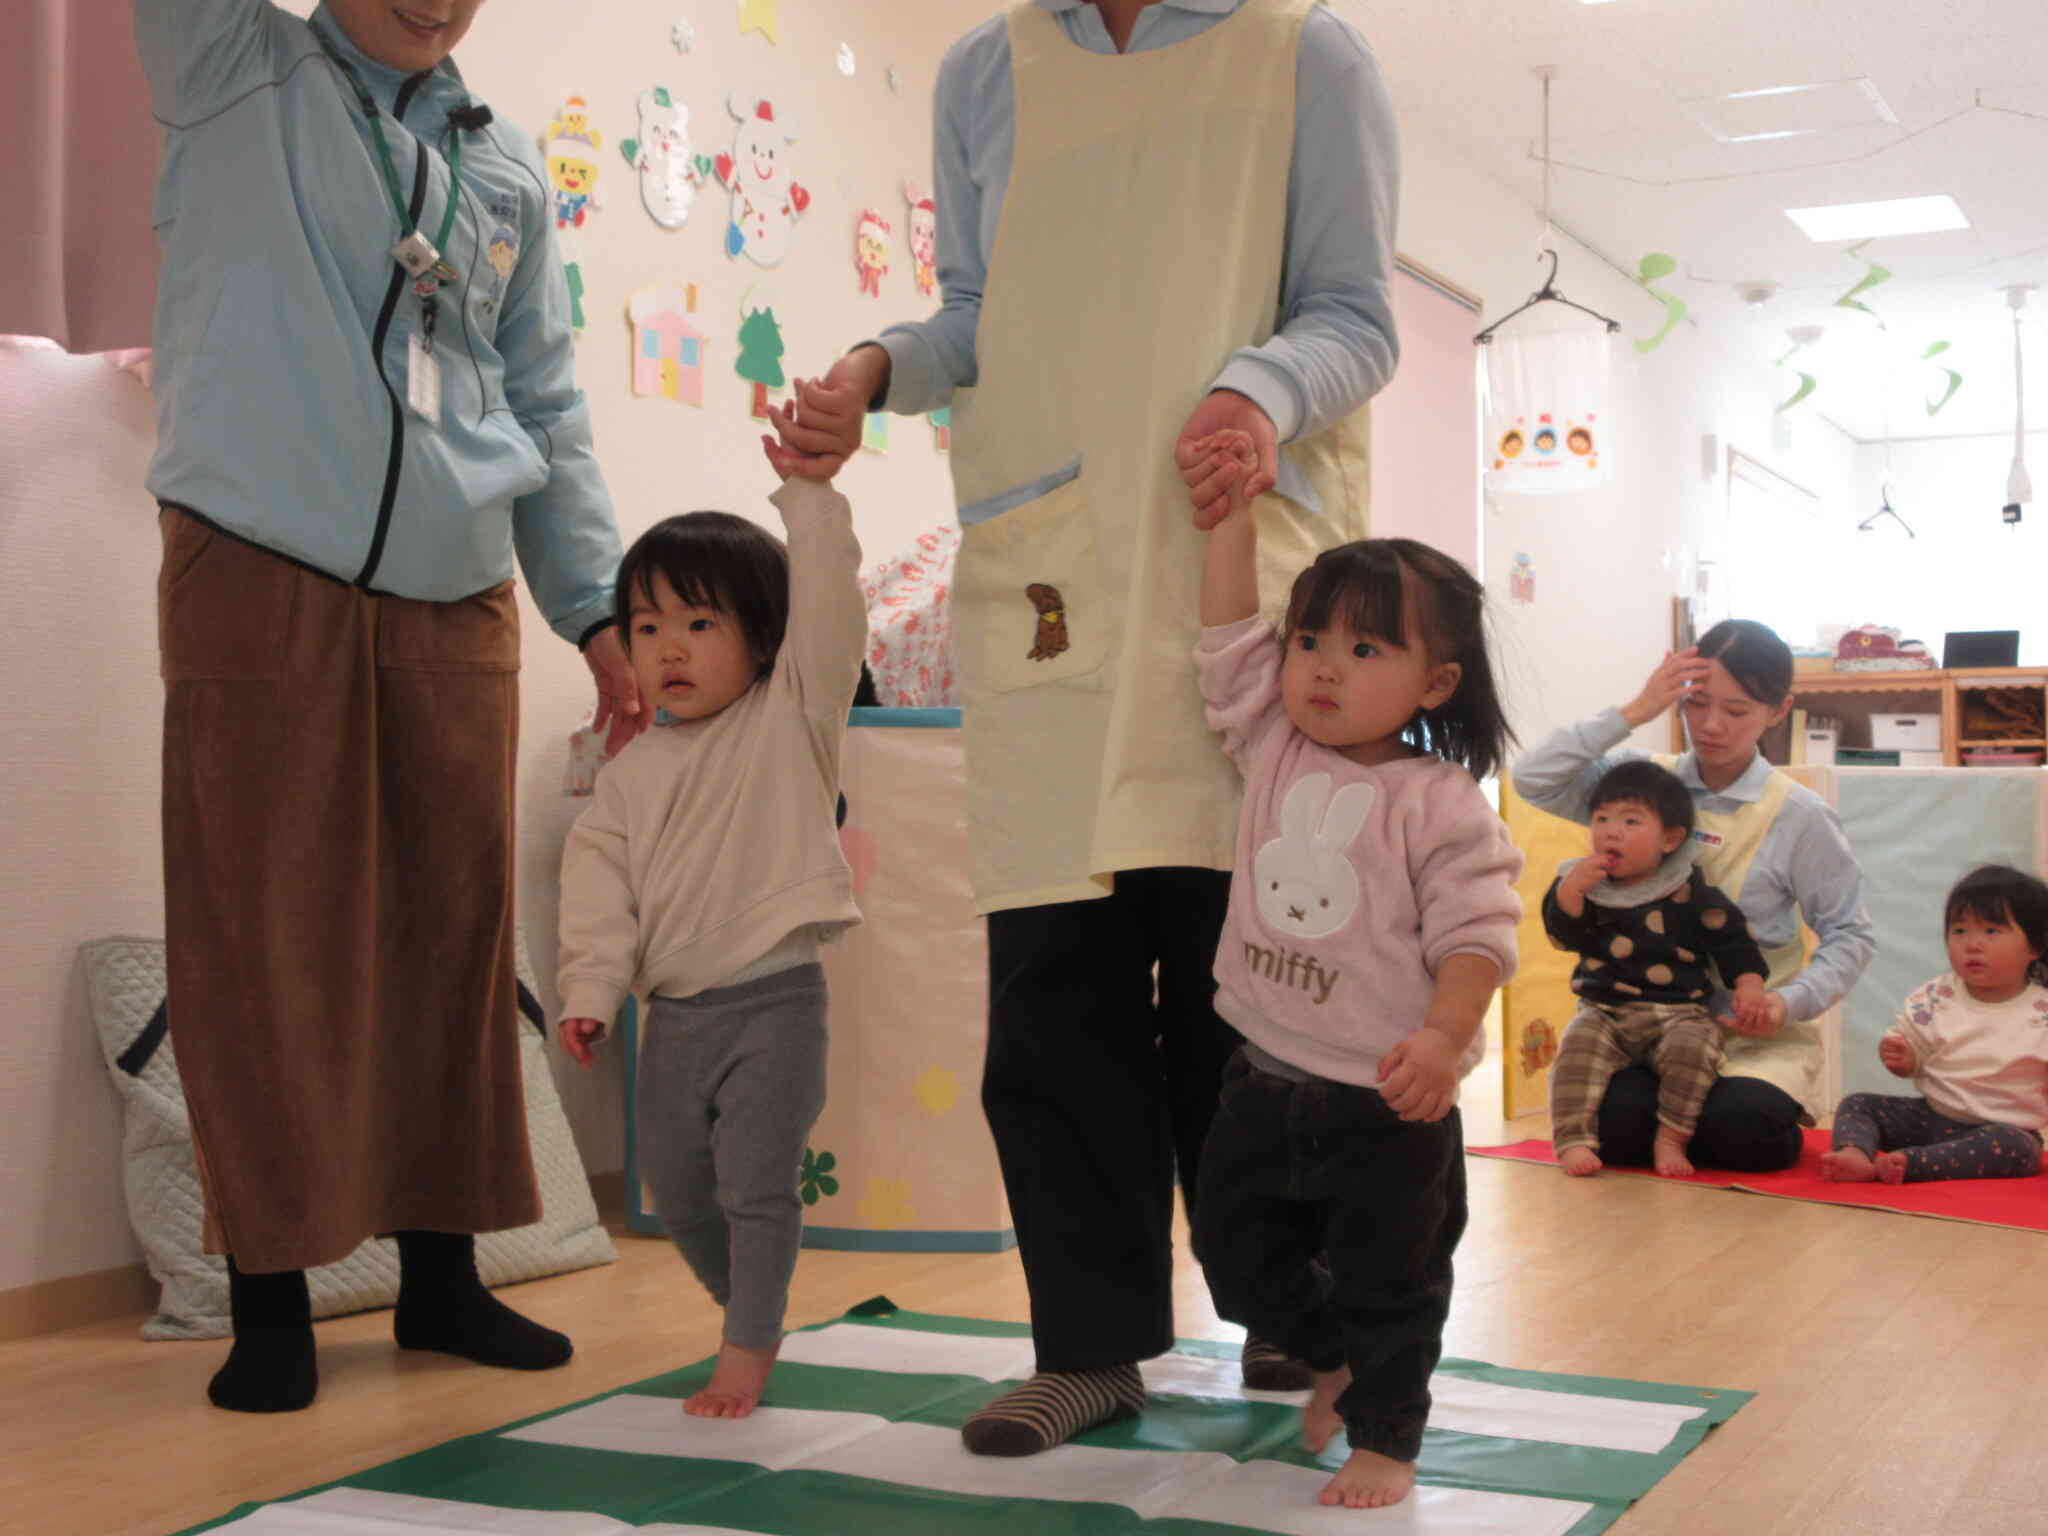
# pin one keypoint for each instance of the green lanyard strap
(384, 161)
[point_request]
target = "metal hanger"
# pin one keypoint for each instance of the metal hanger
(1548, 293)
(1884, 509)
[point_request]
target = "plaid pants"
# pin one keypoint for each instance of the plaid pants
(1680, 1042)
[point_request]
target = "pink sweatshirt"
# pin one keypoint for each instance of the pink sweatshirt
(1352, 884)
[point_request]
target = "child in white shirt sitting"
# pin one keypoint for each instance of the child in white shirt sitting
(1975, 1043)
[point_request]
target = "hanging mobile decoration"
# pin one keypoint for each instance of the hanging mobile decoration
(1955, 380)
(1653, 267)
(1868, 281)
(1803, 336)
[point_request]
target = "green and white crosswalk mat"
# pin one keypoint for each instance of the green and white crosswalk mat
(860, 1433)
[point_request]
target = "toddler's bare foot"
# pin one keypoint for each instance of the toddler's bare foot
(1579, 1162)
(1320, 1419)
(1891, 1167)
(1668, 1152)
(1847, 1165)
(735, 1384)
(1369, 1481)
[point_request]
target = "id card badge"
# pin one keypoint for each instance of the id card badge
(423, 380)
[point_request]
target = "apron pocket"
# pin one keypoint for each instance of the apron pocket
(1031, 574)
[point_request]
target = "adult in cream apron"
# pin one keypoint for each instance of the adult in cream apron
(1141, 241)
(1758, 1103)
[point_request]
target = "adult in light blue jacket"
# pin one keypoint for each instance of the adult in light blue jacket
(366, 415)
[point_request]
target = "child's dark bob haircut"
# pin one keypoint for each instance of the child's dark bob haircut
(1998, 893)
(1367, 586)
(1755, 657)
(1641, 782)
(712, 560)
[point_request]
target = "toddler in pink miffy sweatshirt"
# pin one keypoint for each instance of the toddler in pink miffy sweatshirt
(1372, 915)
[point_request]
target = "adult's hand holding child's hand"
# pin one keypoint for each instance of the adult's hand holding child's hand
(1250, 473)
(1758, 1014)
(816, 430)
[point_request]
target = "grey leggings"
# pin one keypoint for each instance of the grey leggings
(1936, 1147)
(730, 1083)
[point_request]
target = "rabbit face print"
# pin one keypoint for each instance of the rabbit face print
(1304, 879)
(1356, 693)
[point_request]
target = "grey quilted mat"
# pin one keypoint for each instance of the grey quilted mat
(125, 984)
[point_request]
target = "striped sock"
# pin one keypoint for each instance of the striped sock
(1053, 1407)
(1269, 1368)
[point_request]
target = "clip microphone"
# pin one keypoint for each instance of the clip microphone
(470, 116)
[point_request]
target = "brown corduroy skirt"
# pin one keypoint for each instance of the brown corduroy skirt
(338, 842)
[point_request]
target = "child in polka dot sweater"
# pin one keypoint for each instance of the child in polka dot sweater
(1645, 926)
(1975, 1043)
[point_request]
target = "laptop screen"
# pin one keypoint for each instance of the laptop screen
(1980, 648)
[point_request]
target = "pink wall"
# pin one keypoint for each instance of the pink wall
(1425, 426)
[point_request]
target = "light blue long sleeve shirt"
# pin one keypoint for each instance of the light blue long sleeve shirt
(1334, 347)
(1804, 866)
(283, 323)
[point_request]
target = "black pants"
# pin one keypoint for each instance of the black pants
(1099, 1087)
(1294, 1170)
(1746, 1125)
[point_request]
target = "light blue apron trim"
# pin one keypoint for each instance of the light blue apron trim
(1008, 501)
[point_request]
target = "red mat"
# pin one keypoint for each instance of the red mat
(2021, 1203)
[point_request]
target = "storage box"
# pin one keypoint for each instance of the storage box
(1919, 759)
(1821, 744)
(1866, 757)
(2002, 757)
(1907, 733)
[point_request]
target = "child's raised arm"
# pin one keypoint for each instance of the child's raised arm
(1230, 572)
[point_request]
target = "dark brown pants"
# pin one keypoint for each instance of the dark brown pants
(338, 842)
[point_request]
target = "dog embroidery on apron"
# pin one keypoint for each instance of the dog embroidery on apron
(1051, 638)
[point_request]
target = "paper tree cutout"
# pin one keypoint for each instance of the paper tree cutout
(871, 251)
(760, 359)
(759, 16)
(668, 347)
(571, 155)
(766, 198)
(669, 172)
(924, 238)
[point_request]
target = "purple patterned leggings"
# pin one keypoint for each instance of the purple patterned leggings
(1936, 1147)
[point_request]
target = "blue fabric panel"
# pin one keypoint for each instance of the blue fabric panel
(1915, 835)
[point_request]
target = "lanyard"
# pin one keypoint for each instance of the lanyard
(384, 162)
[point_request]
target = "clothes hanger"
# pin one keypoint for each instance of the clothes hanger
(1548, 293)
(1885, 510)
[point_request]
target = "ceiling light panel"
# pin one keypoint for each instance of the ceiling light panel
(1791, 111)
(1865, 221)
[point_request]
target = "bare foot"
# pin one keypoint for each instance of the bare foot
(1579, 1162)
(1668, 1152)
(1319, 1418)
(1891, 1167)
(735, 1384)
(1847, 1165)
(1369, 1481)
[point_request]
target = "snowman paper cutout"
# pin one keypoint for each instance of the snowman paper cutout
(669, 172)
(1303, 879)
(924, 239)
(766, 199)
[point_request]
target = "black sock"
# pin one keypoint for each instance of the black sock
(442, 1305)
(271, 1368)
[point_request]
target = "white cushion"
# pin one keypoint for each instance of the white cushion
(125, 985)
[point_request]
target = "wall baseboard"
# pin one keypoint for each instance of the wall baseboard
(77, 1301)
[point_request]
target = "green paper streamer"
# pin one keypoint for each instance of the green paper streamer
(1955, 382)
(1869, 280)
(1806, 386)
(1652, 267)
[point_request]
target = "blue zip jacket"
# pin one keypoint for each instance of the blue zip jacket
(282, 323)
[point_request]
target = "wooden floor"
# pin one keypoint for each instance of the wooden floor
(1901, 1363)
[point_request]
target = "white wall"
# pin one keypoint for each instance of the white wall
(79, 553)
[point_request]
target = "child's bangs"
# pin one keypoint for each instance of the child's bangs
(1360, 586)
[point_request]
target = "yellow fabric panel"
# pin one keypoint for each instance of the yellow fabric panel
(1537, 1002)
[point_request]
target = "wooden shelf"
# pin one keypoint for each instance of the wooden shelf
(2004, 741)
(1832, 693)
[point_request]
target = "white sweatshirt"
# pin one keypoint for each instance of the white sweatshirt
(1983, 1063)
